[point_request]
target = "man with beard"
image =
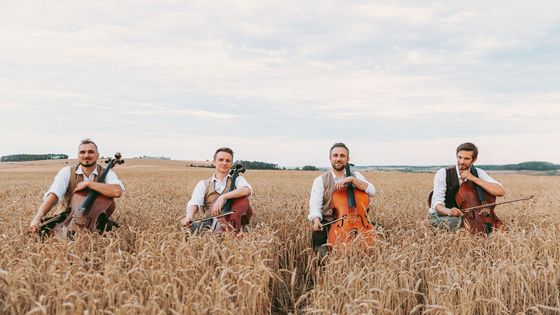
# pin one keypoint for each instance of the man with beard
(210, 194)
(444, 211)
(320, 210)
(71, 179)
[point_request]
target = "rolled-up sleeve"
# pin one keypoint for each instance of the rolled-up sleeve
(240, 181)
(316, 199)
(485, 177)
(60, 184)
(197, 198)
(113, 179)
(370, 190)
(438, 196)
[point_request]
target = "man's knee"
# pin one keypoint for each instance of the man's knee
(319, 238)
(446, 222)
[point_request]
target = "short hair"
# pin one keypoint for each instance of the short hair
(339, 145)
(89, 141)
(468, 146)
(223, 149)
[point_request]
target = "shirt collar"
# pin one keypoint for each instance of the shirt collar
(79, 171)
(214, 179)
(334, 175)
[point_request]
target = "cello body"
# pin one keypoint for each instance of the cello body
(355, 223)
(236, 221)
(482, 220)
(95, 220)
(350, 209)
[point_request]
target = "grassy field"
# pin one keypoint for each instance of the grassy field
(147, 267)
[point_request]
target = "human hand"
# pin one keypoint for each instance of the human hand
(467, 175)
(186, 221)
(217, 207)
(81, 186)
(316, 225)
(343, 183)
(455, 212)
(34, 225)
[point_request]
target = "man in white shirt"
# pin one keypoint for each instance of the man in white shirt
(444, 211)
(71, 179)
(210, 194)
(320, 210)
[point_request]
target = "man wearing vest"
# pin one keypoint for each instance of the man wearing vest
(215, 190)
(74, 178)
(320, 210)
(443, 211)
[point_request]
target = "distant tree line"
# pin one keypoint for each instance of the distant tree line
(32, 157)
(257, 165)
(525, 166)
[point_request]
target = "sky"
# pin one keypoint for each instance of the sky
(400, 82)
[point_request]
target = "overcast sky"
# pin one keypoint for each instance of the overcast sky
(401, 82)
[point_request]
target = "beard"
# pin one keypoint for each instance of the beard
(87, 164)
(464, 167)
(340, 168)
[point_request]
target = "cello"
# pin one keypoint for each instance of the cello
(350, 209)
(89, 210)
(235, 213)
(478, 208)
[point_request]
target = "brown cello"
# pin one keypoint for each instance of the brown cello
(350, 209)
(90, 210)
(235, 214)
(478, 206)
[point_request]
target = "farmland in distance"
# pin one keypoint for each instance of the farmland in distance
(146, 266)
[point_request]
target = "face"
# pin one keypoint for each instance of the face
(87, 155)
(223, 162)
(465, 159)
(339, 158)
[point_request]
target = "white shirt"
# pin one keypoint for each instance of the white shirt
(440, 185)
(62, 179)
(317, 191)
(199, 192)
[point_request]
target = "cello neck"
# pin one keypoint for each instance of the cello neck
(350, 188)
(234, 174)
(88, 202)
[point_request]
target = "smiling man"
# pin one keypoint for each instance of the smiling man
(444, 211)
(210, 194)
(320, 209)
(71, 179)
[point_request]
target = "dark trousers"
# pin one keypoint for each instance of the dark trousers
(319, 238)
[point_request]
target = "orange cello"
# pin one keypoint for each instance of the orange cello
(350, 209)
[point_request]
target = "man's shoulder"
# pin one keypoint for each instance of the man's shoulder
(323, 175)
(67, 170)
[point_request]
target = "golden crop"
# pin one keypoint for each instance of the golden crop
(147, 267)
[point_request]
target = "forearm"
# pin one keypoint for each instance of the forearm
(442, 210)
(237, 193)
(108, 190)
(360, 184)
(191, 211)
(492, 188)
(46, 206)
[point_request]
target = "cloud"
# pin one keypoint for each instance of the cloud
(395, 73)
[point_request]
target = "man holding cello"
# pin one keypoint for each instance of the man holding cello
(211, 194)
(320, 200)
(76, 178)
(444, 211)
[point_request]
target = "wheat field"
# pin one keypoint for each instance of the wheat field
(146, 266)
